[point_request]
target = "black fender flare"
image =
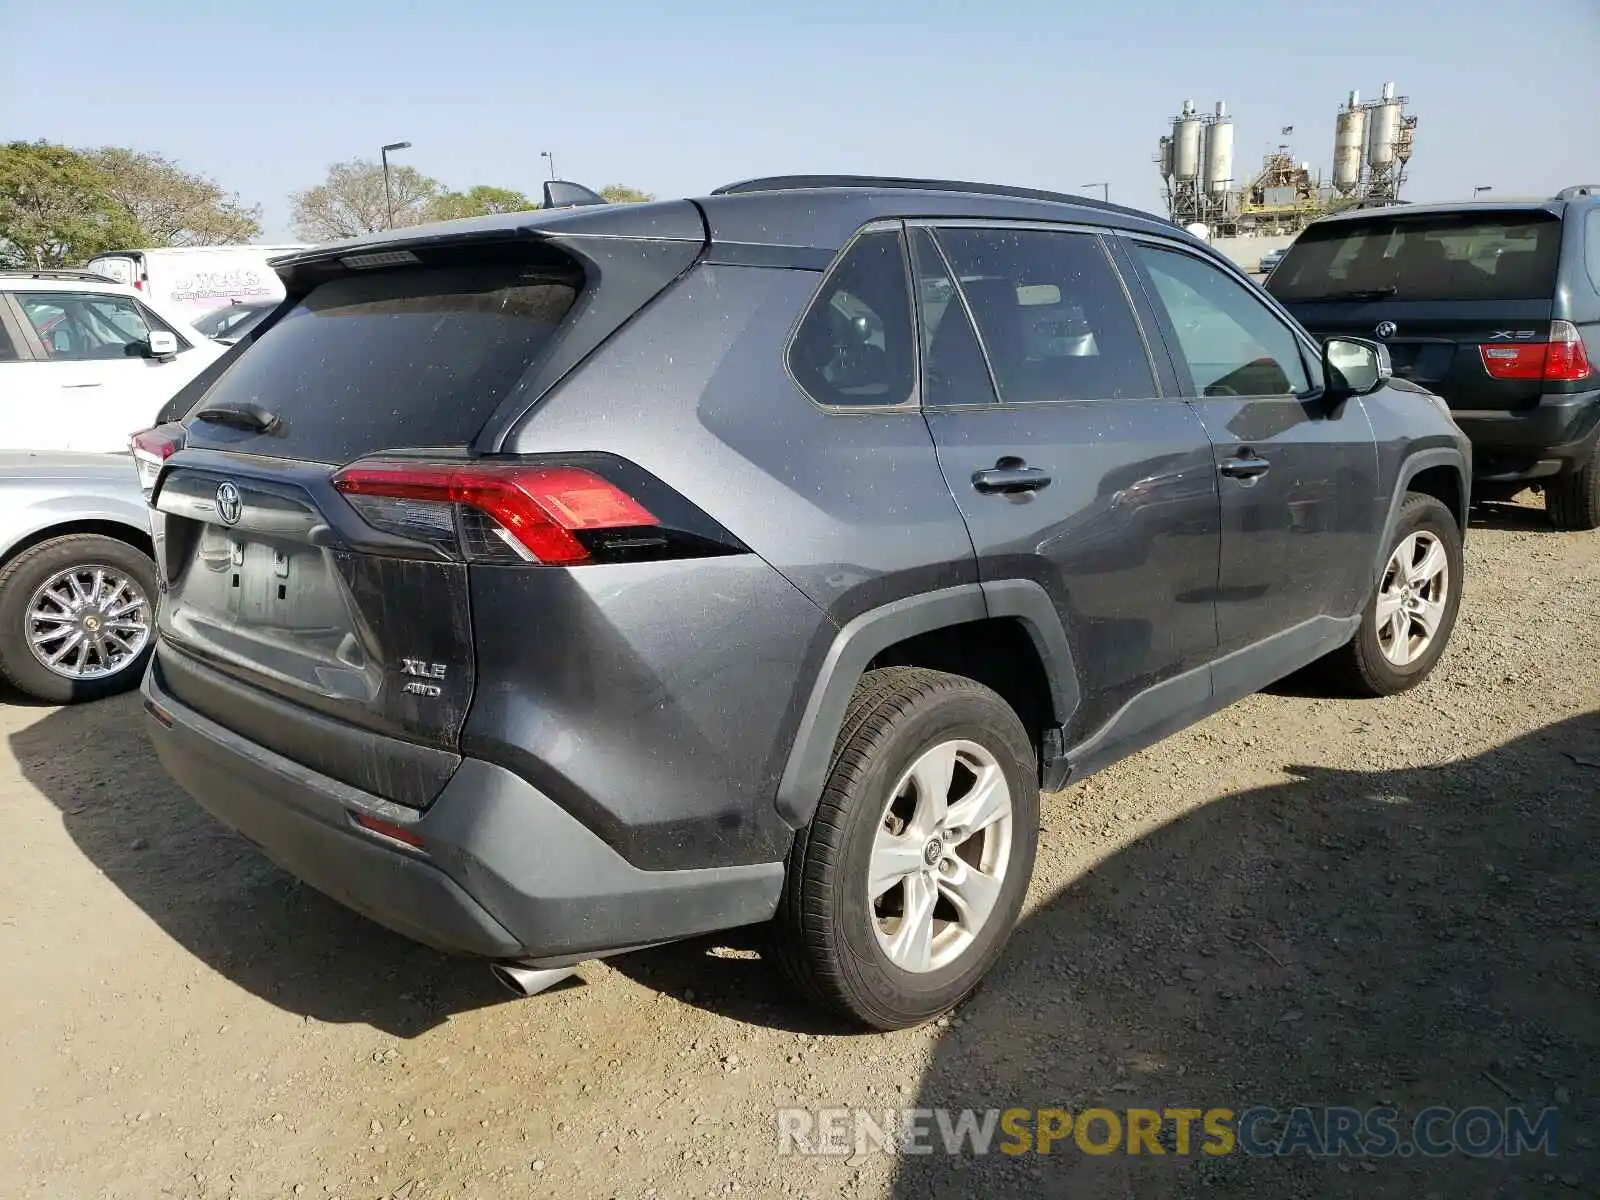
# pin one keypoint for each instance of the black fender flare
(861, 639)
(1410, 468)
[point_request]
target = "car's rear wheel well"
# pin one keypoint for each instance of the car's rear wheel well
(1444, 485)
(996, 652)
(136, 538)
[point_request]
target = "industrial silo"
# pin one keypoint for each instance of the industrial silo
(1385, 129)
(1349, 141)
(1186, 144)
(1164, 157)
(1219, 152)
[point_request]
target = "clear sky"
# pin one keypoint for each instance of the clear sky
(677, 98)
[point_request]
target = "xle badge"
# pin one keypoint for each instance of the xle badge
(425, 670)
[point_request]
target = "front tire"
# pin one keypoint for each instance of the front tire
(905, 886)
(1572, 499)
(1407, 622)
(77, 615)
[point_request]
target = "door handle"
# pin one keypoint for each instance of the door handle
(1245, 466)
(1009, 480)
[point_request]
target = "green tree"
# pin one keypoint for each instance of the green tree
(171, 206)
(56, 207)
(351, 201)
(621, 193)
(480, 201)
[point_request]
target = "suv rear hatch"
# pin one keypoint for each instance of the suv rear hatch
(1469, 295)
(316, 527)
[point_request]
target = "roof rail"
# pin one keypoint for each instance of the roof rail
(1577, 191)
(56, 273)
(794, 183)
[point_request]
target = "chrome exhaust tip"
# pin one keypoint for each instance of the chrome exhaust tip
(525, 981)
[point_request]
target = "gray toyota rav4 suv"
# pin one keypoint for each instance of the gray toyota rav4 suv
(558, 583)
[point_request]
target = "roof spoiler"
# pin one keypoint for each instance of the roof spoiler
(560, 193)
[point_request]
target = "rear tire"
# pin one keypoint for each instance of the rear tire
(865, 957)
(1573, 498)
(26, 587)
(1392, 649)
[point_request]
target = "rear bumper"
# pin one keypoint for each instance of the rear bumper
(505, 872)
(1532, 442)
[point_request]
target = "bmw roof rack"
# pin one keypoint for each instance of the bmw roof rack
(794, 183)
(55, 273)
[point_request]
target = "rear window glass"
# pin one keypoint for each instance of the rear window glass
(408, 358)
(120, 269)
(1452, 256)
(854, 346)
(1591, 236)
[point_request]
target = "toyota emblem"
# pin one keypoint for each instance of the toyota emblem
(229, 505)
(1387, 329)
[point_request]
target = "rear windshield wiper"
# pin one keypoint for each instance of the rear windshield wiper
(1375, 293)
(241, 416)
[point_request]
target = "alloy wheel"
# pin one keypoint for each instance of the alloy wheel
(940, 856)
(88, 621)
(1412, 598)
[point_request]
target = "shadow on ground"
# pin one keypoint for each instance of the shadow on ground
(1415, 938)
(1524, 515)
(215, 895)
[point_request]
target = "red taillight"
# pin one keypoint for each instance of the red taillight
(151, 448)
(395, 833)
(1513, 361)
(536, 510)
(1562, 359)
(1568, 360)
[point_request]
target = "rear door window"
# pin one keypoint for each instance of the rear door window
(1051, 313)
(1439, 256)
(10, 351)
(855, 345)
(418, 357)
(953, 367)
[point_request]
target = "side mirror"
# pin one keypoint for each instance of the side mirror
(1354, 366)
(162, 345)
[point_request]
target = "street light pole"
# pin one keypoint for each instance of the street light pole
(388, 196)
(1105, 189)
(1481, 188)
(547, 155)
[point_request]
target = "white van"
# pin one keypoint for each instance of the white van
(193, 281)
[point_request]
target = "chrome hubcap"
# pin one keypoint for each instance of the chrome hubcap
(1411, 598)
(88, 622)
(940, 856)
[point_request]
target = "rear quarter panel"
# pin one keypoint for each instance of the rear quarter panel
(34, 501)
(695, 674)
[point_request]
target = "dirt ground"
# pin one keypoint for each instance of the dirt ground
(1300, 901)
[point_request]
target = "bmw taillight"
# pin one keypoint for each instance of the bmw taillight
(1563, 359)
(554, 513)
(151, 449)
